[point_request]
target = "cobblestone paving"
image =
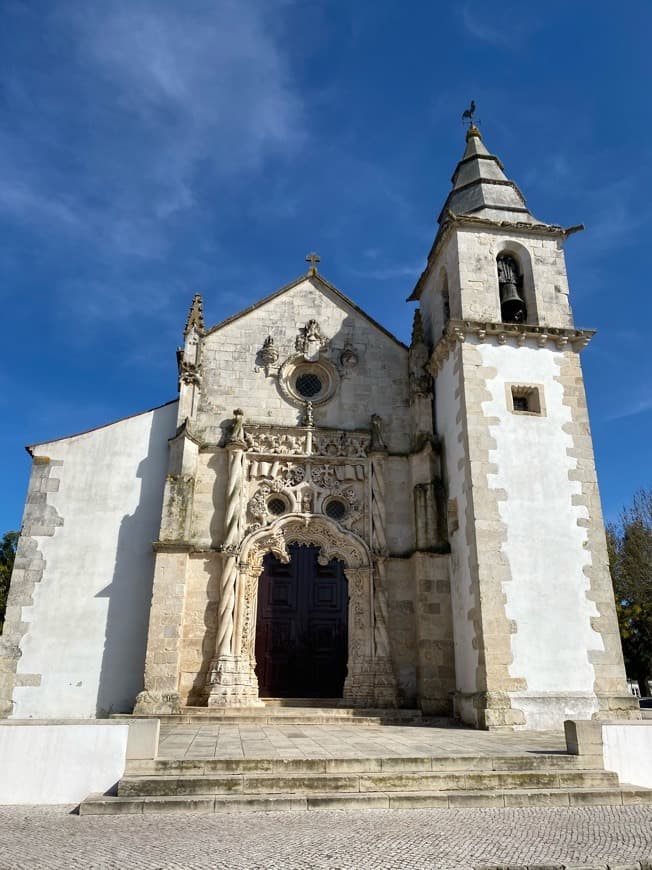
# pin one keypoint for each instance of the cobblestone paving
(51, 839)
(346, 741)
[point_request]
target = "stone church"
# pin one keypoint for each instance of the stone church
(326, 512)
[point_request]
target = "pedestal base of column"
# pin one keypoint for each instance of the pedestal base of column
(385, 690)
(359, 684)
(232, 683)
(157, 704)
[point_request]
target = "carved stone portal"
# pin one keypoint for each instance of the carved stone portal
(233, 679)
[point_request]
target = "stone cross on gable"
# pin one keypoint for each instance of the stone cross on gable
(313, 259)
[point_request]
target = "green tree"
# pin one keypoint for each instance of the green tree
(7, 555)
(630, 558)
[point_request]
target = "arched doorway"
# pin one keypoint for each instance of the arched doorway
(369, 680)
(301, 645)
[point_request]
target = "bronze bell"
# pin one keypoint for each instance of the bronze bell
(512, 307)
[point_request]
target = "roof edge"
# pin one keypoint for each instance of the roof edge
(308, 276)
(30, 447)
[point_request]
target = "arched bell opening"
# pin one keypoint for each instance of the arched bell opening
(510, 283)
(301, 645)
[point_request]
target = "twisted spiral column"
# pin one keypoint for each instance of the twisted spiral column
(381, 611)
(378, 538)
(229, 575)
(379, 547)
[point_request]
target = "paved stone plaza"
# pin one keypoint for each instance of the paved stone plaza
(50, 838)
(195, 741)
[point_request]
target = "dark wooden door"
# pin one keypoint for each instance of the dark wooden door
(301, 627)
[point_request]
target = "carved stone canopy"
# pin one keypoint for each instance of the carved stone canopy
(322, 532)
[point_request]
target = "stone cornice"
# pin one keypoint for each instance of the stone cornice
(516, 334)
(186, 547)
(299, 442)
(171, 546)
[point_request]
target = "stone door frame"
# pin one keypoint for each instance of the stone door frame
(334, 542)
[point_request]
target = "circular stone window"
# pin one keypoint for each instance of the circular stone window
(335, 509)
(308, 385)
(302, 380)
(276, 506)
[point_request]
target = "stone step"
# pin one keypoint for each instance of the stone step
(317, 783)
(293, 716)
(196, 767)
(302, 702)
(103, 805)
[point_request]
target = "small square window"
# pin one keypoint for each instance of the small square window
(525, 399)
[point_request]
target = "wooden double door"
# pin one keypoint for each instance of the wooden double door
(301, 626)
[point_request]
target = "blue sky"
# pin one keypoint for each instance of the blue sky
(150, 149)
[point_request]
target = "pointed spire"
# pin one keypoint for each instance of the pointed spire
(418, 336)
(481, 188)
(195, 315)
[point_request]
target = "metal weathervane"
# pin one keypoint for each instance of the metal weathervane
(469, 114)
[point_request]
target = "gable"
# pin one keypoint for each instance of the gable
(234, 374)
(318, 282)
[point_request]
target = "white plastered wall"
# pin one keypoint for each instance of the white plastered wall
(450, 429)
(87, 626)
(545, 546)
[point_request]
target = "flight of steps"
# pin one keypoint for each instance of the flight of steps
(226, 786)
(293, 711)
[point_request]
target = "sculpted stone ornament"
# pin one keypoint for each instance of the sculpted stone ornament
(237, 434)
(377, 444)
(288, 473)
(348, 360)
(307, 501)
(257, 506)
(339, 444)
(308, 417)
(195, 315)
(275, 441)
(268, 355)
(272, 441)
(189, 372)
(310, 342)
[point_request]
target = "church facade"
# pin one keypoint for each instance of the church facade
(326, 512)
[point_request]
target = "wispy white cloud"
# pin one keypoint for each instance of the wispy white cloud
(633, 410)
(498, 27)
(164, 101)
(390, 272)
(482, 30)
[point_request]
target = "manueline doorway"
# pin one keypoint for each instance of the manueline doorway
(301, 626)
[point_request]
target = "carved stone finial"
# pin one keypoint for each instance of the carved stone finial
(268, 355)
(237, 434)
(417, 329)
(195, 315)
(377, 442)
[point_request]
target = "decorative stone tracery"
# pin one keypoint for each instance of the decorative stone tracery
(281, 482)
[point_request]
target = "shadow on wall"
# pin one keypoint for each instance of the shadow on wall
(130, 590)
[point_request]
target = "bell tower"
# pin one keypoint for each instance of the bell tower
(535, 631)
